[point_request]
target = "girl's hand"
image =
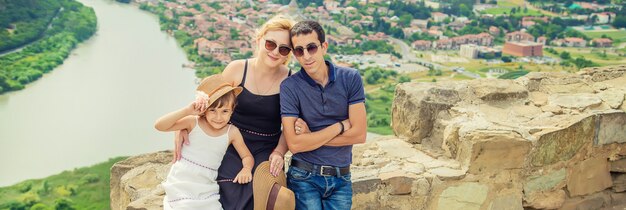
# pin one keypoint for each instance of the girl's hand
(277, 162)
(244, 176)
(200, 105)
(301, 127)
(181, 138)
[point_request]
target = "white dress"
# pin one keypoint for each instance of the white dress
(191, 182)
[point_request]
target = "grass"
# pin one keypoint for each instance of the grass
(618, 36)
(84, 188)
(507, 10)
(378, 104)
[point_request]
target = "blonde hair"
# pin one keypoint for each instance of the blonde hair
(277, 23)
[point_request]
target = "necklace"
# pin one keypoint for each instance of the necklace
(257, 84)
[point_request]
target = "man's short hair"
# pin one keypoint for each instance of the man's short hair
(307, 27)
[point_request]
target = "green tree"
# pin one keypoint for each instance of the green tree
(565, 55)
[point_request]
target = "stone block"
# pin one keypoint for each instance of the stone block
(365, 185)
(507, 202)
(545, 200)
(467, 196)
(497, 151)
(618, 166)
(589, 176)
(619, 182)
(561, 145)
(545, 182)
(612, 128)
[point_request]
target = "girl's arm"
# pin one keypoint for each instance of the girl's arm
(245, 175)
(180, 119)
(175, 121)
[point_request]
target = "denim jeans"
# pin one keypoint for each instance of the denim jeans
(316, 192)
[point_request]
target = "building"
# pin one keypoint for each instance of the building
(602, 42)
(542, 40)
(519, 36)
(570, 42)
(422, 45)
(494, 30)
(604, 17)
(469, 51)
(523, 49)
(438, 16)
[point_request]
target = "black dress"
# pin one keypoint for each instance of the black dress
(258, 119)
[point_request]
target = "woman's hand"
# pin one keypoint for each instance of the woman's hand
(277, 162)
(301, 127)
(244, 176)
(181, 138)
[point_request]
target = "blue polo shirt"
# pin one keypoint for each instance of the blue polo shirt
(320, 107)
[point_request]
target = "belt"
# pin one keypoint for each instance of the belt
(320, 169)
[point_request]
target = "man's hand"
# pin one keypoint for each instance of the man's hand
(181, 138)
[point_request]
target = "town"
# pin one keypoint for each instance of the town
(400, 41)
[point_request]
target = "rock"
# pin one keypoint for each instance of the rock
(563, 144)
(466, 196)
(416, 106)
(612, 98)
(619, 182)
(618, 166)
(497, 151)
(546, 200)
(509, 201)
(539, 98)
(595, 201)
(366, 185)
(137, 177)
(399, 185)
(545, 182)
(612, 128)
(575, 101)
(591, 175)
(444, 173)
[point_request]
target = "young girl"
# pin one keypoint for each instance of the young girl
(191, 182)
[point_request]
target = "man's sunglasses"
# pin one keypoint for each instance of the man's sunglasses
(311, 48)
(271, 45)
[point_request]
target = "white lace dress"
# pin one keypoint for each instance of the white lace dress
(191, 183)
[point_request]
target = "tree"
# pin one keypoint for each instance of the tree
(619, 22)
(234, 34)
(565, 55)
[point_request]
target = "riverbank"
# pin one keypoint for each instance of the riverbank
(74, 23)
(81, 188)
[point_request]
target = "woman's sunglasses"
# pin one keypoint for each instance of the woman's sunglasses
(271, 45)
(311, 48)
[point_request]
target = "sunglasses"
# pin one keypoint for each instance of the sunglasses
(311, 48)
(271, 45)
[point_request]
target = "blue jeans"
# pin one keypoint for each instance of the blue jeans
(316, 192)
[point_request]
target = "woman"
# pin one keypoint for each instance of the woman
(257, 114)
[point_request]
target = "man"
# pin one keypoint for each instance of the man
(331, 100)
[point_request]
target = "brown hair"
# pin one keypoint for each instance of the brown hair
(224, 100)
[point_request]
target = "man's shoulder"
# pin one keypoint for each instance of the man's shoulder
(291, 81)
(347, 72)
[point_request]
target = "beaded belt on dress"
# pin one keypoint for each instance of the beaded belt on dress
(258, 133)
(198, 164)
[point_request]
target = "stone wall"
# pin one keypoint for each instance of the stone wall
(543, 141)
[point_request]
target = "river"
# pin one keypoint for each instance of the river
(101, 103)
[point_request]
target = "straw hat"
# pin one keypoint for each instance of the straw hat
(215, 87)
(271, 193)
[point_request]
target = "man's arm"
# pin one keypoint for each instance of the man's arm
(357, 133)
(308, 141)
